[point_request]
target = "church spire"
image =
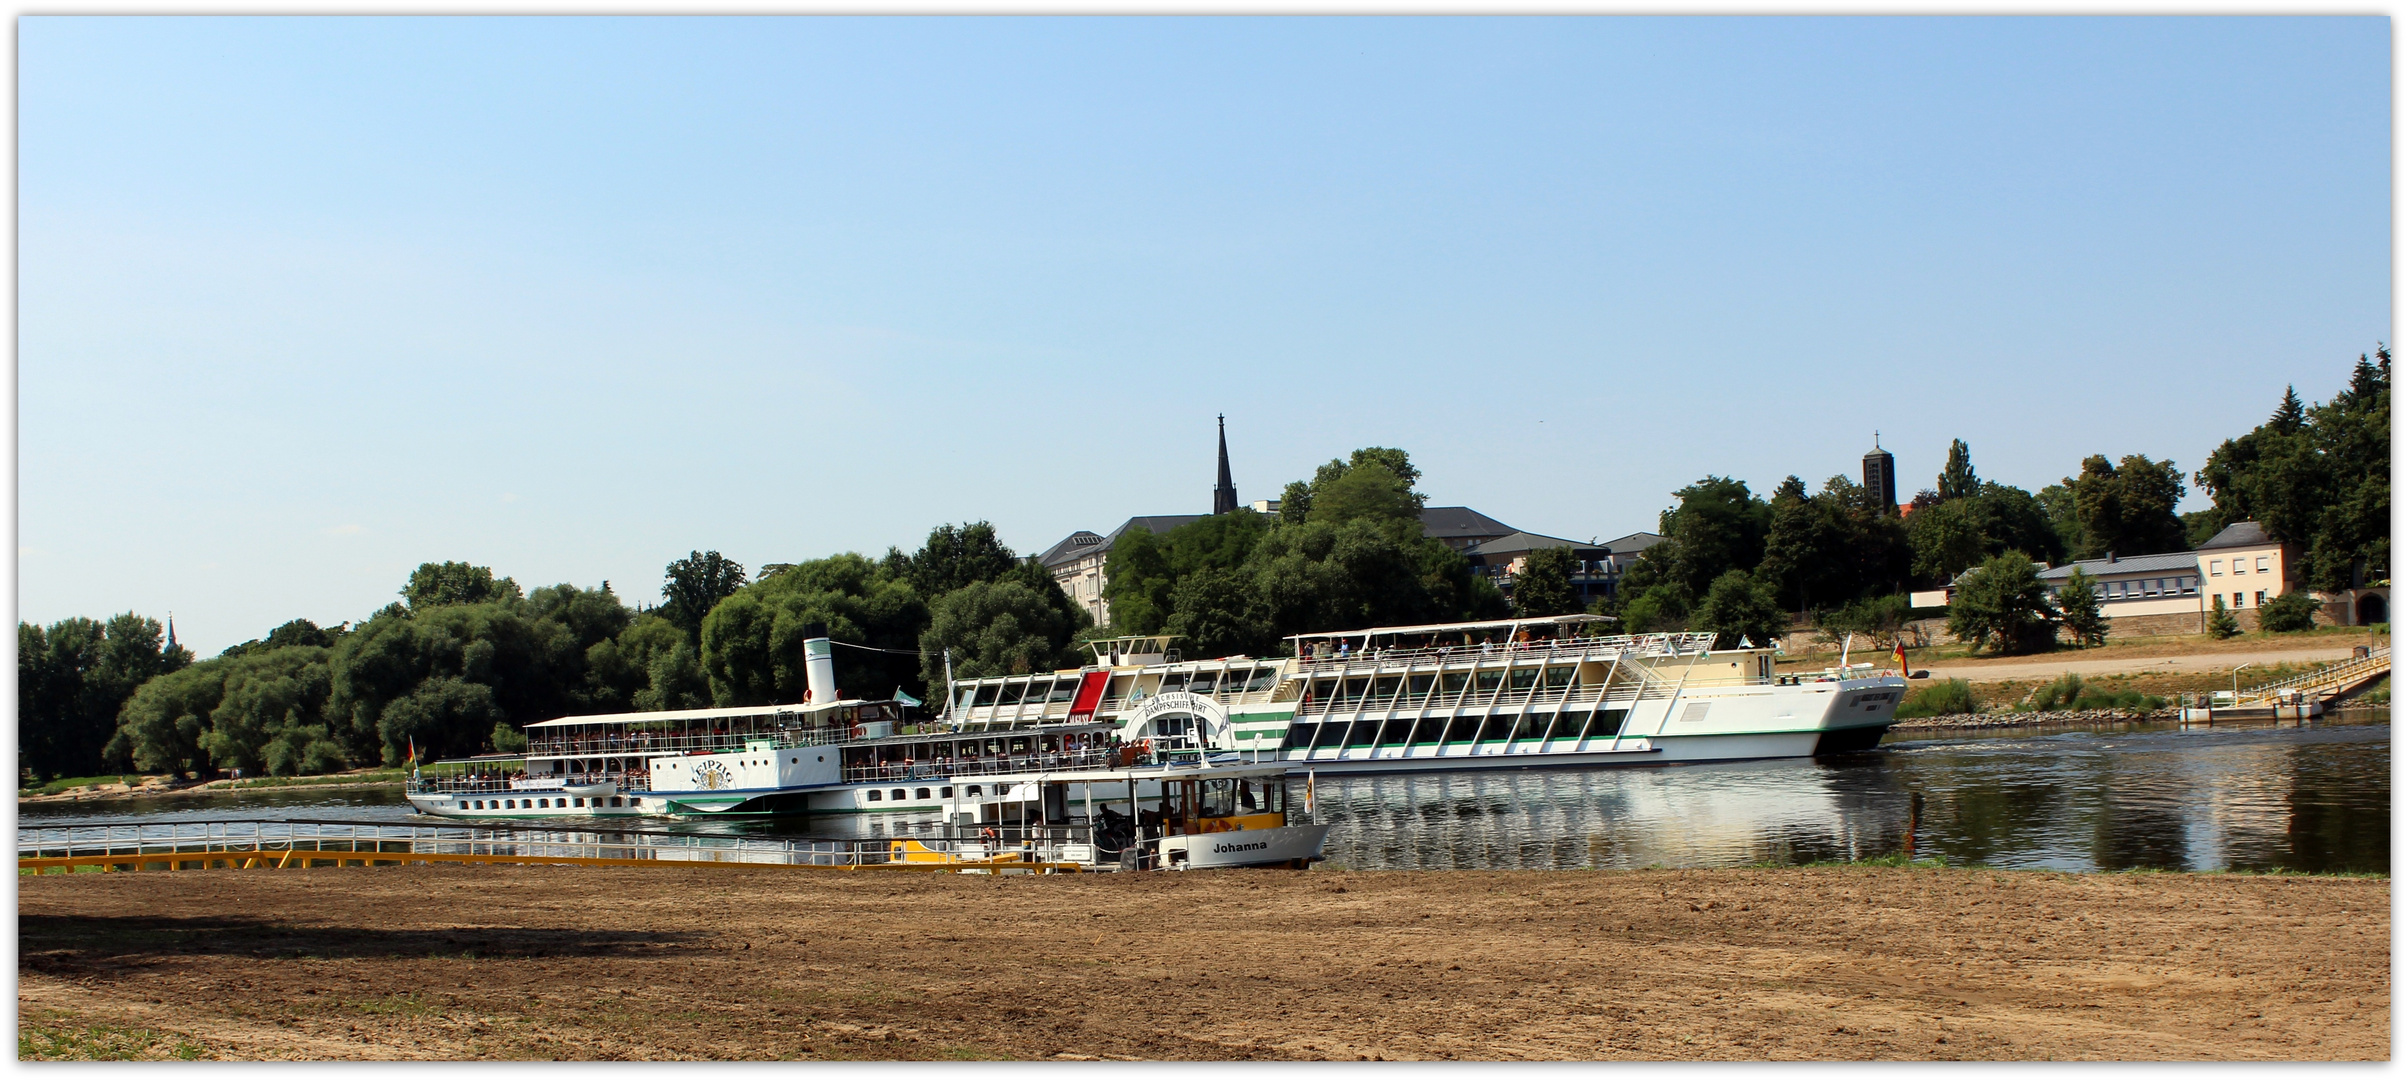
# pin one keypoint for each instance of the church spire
(1224, 495)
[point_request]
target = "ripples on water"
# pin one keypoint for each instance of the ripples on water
(2315, 798)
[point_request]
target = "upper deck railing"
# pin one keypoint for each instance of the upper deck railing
(1681, 644)
(712, 742)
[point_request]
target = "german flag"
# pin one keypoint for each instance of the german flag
(1901, 656)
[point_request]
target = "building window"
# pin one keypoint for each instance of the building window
(2235, 600)
(2239, 566)
(2215, 567)
(2260, 598)
(2264, 564)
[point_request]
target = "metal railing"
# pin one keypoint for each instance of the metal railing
(1369, 660)
(2341, 672)
(305, 841)
(983, 766)
(716, 742)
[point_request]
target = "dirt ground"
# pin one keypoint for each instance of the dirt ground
(759, 963)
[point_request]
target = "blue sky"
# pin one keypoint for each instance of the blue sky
(306, 302)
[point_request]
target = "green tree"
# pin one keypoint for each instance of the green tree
(695, 584)
(2317, 478)
(2289, 612)
(1718, 526)
(752, 650)
(1737, 607)
(1543, 587)
(2127, 509)
(72, 681)
(437, 584)
(1138, 582)
(1366, 490)
(2077, 600)
(957, 555)
(2002, 605)
(1946, 539)
(997, 628)
(1218, 613)
(1957, 481)
(2220, 622)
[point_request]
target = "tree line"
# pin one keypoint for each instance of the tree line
(465, 658)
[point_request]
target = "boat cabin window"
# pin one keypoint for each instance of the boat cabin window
(1496, 729)
(1363, 732)
(1488, 681)
(948, 793)
(1430, 730)
(1173, 683)
(1203, 682)
(1262, 680)
(1524, 678)
(876, 795)
(1011, 693)
(1606, 723)
(1572, 724)
(1452, 683)
(923, 793)
(1385, 687)
(1220, 798)
(1418, 686)
(1532, 725)
(1299, 736)
(1398, 731)
(900, 795)
(1063, 690)
(1560, 677)
(1331, 735)
(614, 801)
(976, 790)
(986, 694)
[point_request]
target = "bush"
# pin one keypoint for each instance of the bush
(2057, 695)
(2291, 611)
(1948, 698)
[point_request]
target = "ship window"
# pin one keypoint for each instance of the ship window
(614, 801)
(1496, 728)
(923, 793)
(1011, 693)
(1418, 686)
(1203, 682)
(544, 804)
(1606, 723)
(1531, 725)
(1452, 683)
(1263, 678)
(1274, 796)
(1333, 734)
(1355, 688)
(1299, 736)
(580, 802)
(1569, 725)
(1430, 730)
(1219, 798)
(986, 694)
(1524, 678)
(1559, 677)
(948, 793)
(1063, 690)
(1364, 731)
(1488, 681)
(1398, 731)
(876, 795)
(1385, 687)
(1173, 683)
(900, 795)
(975, 791)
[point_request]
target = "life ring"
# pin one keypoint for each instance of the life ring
(1145, 748)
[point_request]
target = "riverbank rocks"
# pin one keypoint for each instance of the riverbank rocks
(2058, 718)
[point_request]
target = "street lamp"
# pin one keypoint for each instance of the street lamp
(2235, 682)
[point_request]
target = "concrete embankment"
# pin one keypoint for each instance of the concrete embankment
(2062, 718)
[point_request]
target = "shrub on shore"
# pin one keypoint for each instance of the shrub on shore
(1947, 698)
(2291, 611)
(2069, 692)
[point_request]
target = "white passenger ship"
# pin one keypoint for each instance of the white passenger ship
(1511, 693)
(822, 756)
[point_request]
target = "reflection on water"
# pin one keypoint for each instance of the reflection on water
(2254, 798)
(2315, 798)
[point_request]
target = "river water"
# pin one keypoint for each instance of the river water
(2256, 797)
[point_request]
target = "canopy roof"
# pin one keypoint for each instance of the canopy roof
(695, 714)
(1454, 627)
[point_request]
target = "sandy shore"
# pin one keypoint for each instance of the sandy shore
(754, 963)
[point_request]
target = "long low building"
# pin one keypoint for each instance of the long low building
(2175, 592)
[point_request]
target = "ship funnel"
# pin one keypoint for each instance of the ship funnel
(818, 664)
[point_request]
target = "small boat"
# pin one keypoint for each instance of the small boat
(1170, 816)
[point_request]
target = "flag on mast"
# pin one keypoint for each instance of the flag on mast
(1901, 656)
